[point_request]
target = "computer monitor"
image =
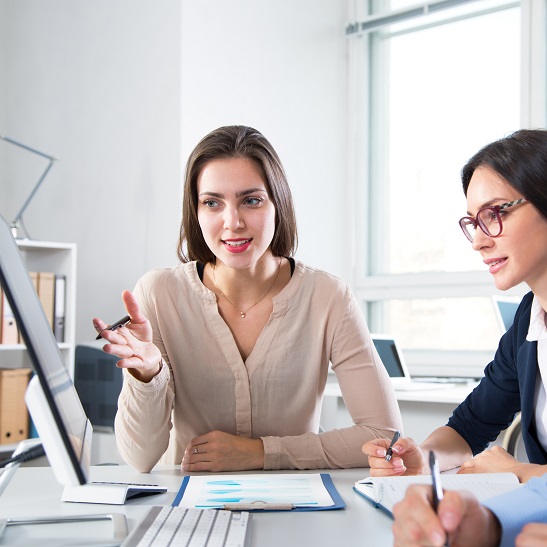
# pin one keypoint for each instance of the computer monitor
(53, 403)
(505, 308)
(392, 357)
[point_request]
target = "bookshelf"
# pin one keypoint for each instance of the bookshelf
(60, 258)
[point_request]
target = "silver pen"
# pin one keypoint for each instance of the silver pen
(389, 452)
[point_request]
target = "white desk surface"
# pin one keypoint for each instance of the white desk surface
(34, 492)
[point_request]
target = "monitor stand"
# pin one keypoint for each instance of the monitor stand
(118, 520)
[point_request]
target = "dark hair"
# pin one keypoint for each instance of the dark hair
(236, 141)
(521, 160)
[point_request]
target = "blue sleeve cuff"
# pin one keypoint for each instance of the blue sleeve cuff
(516, 508)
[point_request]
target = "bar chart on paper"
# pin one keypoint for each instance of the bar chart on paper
(292, 491)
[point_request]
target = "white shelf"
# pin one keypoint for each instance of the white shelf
(60, 258)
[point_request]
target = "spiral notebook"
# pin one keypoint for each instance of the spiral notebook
(385, 492)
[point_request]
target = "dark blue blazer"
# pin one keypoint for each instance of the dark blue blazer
(508, 387)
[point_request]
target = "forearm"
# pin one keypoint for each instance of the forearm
(335, 449)
(143, 421)
(449, 446)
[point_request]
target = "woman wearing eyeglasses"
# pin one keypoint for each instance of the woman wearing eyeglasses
(506, 188)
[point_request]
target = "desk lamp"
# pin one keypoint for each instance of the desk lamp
(18, 220)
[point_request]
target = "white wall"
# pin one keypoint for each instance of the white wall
(121, 90)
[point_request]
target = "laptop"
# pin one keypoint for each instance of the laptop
(505, 308)
(395, 364)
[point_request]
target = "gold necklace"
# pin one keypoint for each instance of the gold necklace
(242, 313)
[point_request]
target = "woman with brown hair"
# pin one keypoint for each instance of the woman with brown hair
(226, 356)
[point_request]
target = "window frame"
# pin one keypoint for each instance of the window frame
(370, 288)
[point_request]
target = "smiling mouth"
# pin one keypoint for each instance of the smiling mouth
(236, 243)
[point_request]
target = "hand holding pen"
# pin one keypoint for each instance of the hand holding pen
(133, 344)
(429, 516)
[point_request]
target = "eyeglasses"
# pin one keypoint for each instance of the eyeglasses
(488, 219)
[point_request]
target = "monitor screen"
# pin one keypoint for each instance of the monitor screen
(391, 356)
(388, 353)
(505, 308)
(52, 400)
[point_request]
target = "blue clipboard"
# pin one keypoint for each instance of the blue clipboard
(338, 502)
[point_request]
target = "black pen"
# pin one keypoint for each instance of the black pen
(436, 486)
(121, 323)
(389, 452)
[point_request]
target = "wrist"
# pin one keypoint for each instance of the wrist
(146, 376)
(259, 454)
(525, 471)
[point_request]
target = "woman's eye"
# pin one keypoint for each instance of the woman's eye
(210, 203)
(253, 201)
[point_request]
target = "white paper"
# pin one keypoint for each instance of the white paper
(213, 491)
(387, 491)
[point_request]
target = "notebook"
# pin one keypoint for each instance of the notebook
(385, 492)
(393, 360)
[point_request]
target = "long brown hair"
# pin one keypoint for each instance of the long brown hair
(236, 141)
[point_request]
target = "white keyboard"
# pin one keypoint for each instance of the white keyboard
(189, 527)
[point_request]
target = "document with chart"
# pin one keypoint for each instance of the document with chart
(260, 491)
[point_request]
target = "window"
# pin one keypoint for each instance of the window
(428, 91)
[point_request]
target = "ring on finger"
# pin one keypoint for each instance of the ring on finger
(196, 451)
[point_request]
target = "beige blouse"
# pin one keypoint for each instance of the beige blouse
(276, 394)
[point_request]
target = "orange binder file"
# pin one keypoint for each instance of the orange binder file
(46, 292)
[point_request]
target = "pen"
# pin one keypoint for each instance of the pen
(389, 452)
(436, 486)
(121, 323)
(436, 480)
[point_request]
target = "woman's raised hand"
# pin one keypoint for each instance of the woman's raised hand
(132, 343)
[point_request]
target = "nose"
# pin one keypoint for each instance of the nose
(481, 240)
(232, 220)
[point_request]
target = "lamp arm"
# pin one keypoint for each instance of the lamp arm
(33, 150)
(51, 159)
(31, 195)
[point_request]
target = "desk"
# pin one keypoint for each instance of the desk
(33, 491)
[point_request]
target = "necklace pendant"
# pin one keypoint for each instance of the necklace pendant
(242, 314)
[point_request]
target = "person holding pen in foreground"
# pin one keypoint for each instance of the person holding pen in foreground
(226, 356)
(518, 517)
(506, 188)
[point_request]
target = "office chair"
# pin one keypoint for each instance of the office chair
(98, 382)
(512, 440)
